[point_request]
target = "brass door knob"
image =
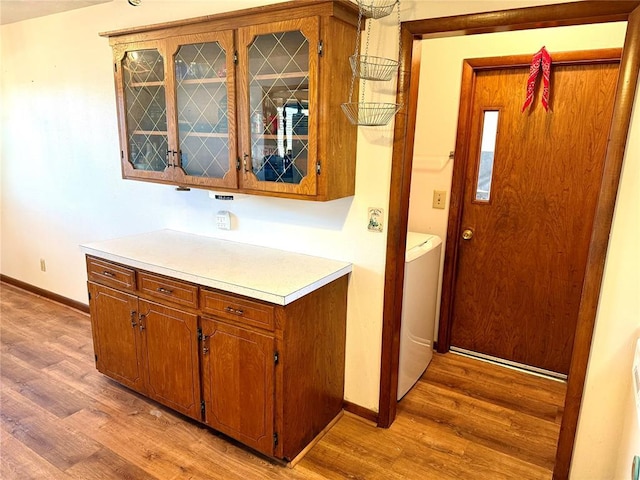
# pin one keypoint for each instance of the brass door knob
(467, 234)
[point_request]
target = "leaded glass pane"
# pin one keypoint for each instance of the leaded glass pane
(143, 72)
(279, 106)
(201, 78)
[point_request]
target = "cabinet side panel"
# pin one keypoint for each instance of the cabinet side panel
(313, 362)
(337, 153)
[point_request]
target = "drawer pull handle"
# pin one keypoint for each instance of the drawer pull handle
(107, 273)
(234, 311)
(166, 291)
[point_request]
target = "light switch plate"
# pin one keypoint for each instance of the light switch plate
(439, 199)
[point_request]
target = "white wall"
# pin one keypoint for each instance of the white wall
(61, 181)
(61, 186)
(608, 434)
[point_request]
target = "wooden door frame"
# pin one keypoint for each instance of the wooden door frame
(412, 32)
(470, 69)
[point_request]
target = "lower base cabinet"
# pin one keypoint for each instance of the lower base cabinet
(269, 376)
(170, 347)
(116, 340)
(238, 367)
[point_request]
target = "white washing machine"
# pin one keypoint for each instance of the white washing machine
(421, 272)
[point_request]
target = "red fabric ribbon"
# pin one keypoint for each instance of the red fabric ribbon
(542, 57)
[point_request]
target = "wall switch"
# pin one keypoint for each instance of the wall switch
(223, 220)
(439, 198)
(43, 265)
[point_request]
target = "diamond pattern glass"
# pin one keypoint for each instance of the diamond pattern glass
(201, 78)
(143, 72)
(279, 106)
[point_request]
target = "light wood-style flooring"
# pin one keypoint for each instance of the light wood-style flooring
(61, 419)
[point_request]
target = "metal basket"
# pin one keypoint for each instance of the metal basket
(373, 68)
(370, 114)
(376, 8)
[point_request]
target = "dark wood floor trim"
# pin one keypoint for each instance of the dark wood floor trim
(83, 307)
(360, 411)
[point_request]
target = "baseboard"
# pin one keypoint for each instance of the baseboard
(83, 307)
(360, 411)
(313, 442)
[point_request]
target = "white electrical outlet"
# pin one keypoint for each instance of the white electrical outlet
(223, 220)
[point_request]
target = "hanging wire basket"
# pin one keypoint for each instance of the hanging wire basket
(370, 114)
(373, 68)
(376, 8)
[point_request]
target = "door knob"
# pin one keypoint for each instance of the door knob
(467, 234)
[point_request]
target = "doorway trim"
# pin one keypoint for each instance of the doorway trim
(412, 32)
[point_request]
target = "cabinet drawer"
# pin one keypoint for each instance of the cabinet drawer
(237, 308)
(111, 274)
(163, 288)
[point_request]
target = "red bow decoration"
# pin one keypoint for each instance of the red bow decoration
(543, 58)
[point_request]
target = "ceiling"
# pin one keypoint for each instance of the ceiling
(17, 10)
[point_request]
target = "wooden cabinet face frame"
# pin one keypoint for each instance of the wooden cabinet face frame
(116, 339)
(240, 365)
(316, 159)
(238, 370)
(140, 71)
(171, 362)
(201, 100)
(254, 143)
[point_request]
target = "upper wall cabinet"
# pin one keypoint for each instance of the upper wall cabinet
(246, 101)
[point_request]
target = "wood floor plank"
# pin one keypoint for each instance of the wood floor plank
(39, 430)
(61, 419)
(15, 373)
(500, 429)
(20, 462)
(106, 464)
(541, 397)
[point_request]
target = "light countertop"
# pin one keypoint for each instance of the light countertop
(268, 274)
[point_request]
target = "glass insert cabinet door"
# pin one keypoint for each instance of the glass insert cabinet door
(144, 110)
(278, 107)
(203, 76)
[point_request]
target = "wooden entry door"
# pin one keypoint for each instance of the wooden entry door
(530, 191)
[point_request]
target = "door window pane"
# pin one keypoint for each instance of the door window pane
(279, 106)
(487, 154)
(143, 72)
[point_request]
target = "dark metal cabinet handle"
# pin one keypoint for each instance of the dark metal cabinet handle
(133, 319)
(166, 291)
(107, 273)
(142, 317)
(235, 311)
